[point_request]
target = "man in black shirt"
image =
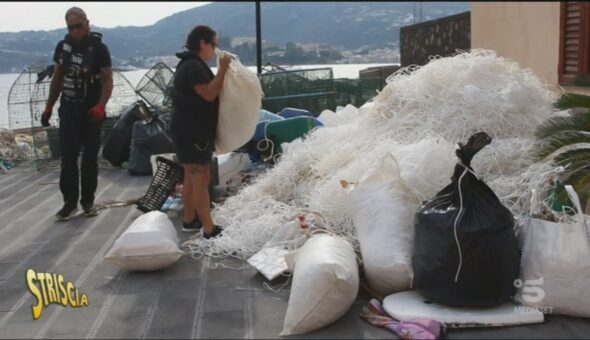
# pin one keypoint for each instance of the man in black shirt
(84, 78)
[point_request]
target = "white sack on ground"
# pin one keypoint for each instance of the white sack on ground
(240, 101)
(325, 284)
(556, 264)
(420, 116)
(384, 224)
(149, 243)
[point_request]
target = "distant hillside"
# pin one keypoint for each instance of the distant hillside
(345, 25)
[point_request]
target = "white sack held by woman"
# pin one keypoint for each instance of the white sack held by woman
(240, 101)
(384, 226)
(149, 243)
(325, 283)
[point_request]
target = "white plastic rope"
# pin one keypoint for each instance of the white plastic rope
(457, 218)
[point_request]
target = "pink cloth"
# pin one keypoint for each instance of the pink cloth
(409, 329)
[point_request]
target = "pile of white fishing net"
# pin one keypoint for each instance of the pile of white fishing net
(15, 146)
(419, 117)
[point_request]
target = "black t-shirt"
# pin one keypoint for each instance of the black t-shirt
(73, 89)
(194, 119)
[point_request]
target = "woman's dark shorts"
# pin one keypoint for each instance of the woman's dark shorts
(192, 152)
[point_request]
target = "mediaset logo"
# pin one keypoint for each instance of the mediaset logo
(50, 288)
(531, 293)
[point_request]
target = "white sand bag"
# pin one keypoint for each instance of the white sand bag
(149, 243)
(555, 272)
(325, 284)
(384, 225)
(240, 101)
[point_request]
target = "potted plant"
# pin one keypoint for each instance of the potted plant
(566, 140)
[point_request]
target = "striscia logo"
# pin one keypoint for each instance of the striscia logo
(50, 288)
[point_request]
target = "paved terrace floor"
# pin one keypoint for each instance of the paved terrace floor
(191, 299)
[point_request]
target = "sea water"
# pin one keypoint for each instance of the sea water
(350, 71)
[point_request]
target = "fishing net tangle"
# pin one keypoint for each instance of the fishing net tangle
(419, 117)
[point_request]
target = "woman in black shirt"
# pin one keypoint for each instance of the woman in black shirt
(194, 123)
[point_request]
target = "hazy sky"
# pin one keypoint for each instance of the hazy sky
(21, 16)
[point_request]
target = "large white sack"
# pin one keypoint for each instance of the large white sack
(240, 101)
(555, 272)
(383, 221)
(325, 284)
(149, 243)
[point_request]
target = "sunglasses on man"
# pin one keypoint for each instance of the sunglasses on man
(77, 26)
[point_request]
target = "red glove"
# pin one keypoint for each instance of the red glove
(97, 114)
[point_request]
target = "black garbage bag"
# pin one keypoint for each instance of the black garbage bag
(149, 138)
(117, 146)
(465, 250)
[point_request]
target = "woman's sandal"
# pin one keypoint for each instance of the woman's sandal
(216, 232)
(195, 225)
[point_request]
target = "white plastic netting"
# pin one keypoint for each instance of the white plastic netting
(15, 146)
(419, 117)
